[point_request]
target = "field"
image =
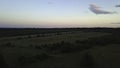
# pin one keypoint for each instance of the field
(60, 48)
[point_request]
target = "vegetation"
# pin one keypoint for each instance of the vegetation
(87, 61)
(6, 32)
(31, 59)
(3, 63)
(59, 48)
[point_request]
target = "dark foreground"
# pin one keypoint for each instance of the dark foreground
(60, 48)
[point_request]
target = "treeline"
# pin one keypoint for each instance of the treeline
(8, 32)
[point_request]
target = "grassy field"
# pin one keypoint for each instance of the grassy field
(61, 49)
(104, 57)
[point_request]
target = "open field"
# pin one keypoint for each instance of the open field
(60, 48)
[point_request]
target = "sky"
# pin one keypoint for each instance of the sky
(59, 13)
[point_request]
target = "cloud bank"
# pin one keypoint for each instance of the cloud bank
(97, 10)
(117, 6)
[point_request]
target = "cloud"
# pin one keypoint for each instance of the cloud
(117, 6)
(97, 10)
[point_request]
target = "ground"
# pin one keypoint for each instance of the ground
(62, 50)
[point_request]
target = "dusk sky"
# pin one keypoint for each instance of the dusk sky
(59, 13)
